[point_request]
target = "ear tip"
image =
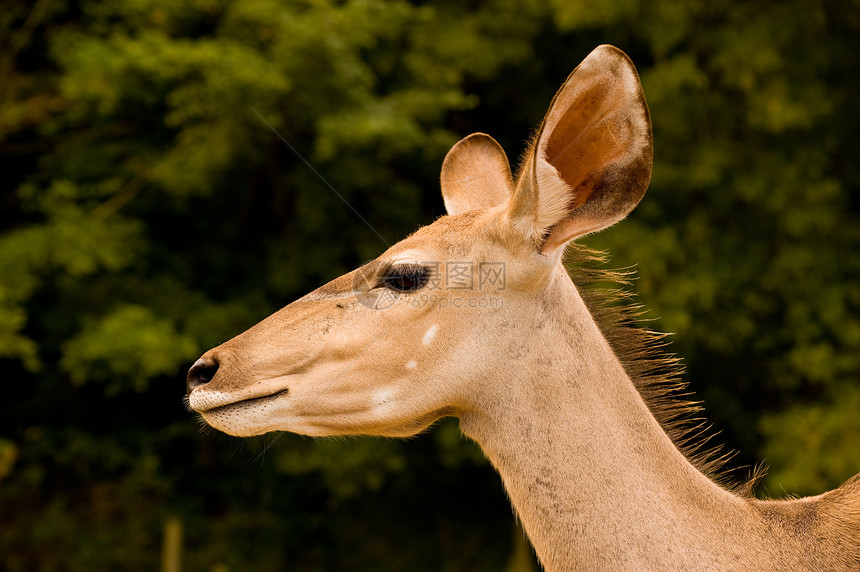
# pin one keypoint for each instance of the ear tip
(480, 143)
(478, 138)
(608, 53)
(609, 48)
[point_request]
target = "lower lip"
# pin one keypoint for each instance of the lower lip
(248, 401)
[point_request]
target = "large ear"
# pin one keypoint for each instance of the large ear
(475, 174)
(591, 161)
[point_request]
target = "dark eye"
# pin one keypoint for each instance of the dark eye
(406, 277)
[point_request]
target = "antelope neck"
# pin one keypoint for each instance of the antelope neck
(579, 486)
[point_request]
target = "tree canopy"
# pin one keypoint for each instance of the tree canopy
(166, 175)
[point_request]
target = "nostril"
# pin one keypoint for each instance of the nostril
(201, 373)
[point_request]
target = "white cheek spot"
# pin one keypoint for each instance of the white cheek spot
(430, 334)
(383, 400)
(411, 364)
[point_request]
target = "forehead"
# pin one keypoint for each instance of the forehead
(448, 236)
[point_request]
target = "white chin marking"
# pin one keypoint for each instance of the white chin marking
(411, 364)
(430, 334)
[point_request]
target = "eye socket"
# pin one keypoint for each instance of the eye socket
(406, 277)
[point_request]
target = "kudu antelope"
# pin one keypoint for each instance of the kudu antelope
(575, 416)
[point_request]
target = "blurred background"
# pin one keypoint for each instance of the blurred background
(148, 213)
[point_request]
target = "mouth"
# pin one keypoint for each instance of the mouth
(203, 407)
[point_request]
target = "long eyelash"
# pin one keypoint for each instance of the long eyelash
(405, 269)
(414, 271)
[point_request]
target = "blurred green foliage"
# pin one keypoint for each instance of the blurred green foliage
(148, 212)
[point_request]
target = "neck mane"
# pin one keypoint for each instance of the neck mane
(590, 437)
(654, 371)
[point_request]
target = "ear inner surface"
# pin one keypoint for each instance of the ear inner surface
(589, 135)
(475, 174)
(591, 162)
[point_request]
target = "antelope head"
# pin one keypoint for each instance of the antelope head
(428, 328)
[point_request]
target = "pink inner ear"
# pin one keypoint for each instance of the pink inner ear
(587, 138)
(592, 160)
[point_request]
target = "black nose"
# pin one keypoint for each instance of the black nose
(201, 373)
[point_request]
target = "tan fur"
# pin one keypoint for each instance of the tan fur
(582, 415)
(475, 174)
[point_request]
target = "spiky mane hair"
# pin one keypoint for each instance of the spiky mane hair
(655, 372)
